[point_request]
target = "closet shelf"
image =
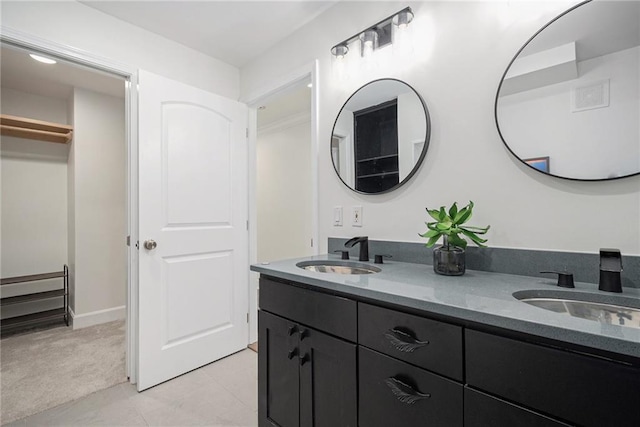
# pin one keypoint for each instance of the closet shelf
(21, 127)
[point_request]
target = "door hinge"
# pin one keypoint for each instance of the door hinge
(128, 240)
(247, 225)
(247, 133)
(247, 317)
(312, 242)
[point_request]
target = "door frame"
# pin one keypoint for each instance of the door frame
(253, 101)
(130, 74)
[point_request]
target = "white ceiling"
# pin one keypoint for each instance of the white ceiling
(18, 71)
(234, 32)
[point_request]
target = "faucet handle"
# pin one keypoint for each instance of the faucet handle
(565, 280)
(345, 254)
(378, 259)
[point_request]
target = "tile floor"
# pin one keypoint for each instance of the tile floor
(223, 393)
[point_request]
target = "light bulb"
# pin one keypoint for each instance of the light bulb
(42, 59)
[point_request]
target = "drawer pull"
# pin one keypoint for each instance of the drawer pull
(292, 353)
(304, 358)
(402, 341)
(404, 393)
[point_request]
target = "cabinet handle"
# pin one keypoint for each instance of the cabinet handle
(402, 341)
(292, 353)
(303, 333)
(404, 392)
(304, 359)
(291, 330)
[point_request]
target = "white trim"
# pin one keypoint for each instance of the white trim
(70, 53)
(307, 72)
(79, 321)
(285, 123)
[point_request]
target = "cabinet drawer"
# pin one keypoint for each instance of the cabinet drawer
(481, 410)
(430, 344)
(394, 393)
(328, 313)
(577, 388)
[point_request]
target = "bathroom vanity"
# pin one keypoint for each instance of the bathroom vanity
(405, 347)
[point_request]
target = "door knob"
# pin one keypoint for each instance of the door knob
(150, 244)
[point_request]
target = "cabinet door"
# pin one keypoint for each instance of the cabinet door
(278, 372)
(328, 385)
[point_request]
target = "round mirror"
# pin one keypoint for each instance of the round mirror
(380, 137)
(568, 104)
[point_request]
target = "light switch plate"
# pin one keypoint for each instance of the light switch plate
(356, 217)
(337, 216)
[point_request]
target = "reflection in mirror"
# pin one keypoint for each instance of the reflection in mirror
(571, 95)
(380, 136)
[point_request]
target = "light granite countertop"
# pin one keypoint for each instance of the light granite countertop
(478, 296)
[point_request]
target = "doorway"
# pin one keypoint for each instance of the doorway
(283, 186)
(64, 208)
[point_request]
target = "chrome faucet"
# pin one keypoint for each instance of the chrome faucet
(610, 268)
(364, 246)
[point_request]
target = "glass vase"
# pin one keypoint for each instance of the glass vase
(449, 260)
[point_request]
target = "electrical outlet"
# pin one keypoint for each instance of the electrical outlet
(356, 218)
(337, 216)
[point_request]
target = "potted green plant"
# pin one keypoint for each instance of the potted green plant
(449, 258)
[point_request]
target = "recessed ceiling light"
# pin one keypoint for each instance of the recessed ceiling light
(262, 107)
(42, 59)
(309, 85)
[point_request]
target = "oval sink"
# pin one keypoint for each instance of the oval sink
(338, 267)
(613, 310)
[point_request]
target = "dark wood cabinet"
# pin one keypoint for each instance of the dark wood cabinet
(330, 361)
(305, 377)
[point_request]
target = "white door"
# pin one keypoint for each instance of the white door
(193, 286)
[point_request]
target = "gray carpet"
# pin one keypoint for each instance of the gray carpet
(43, 369)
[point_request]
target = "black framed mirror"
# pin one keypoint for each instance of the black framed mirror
(568, 104)
(380, 136)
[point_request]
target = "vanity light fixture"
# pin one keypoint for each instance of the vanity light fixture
(376, 36)
(42, 59)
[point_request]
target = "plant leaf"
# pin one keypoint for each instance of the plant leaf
(432, 241)
(430, 233)
(456, 240)
(442, 215)
(463, 216)
(477, 240)
(435, 214)
(442, 226)
(477, 230)
(453, 210)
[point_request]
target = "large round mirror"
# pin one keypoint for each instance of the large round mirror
(380, 136)
(568, 104)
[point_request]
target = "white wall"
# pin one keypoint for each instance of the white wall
(284, 208)
(411, 130)
(461, 50)
(99, 183)
(33, 201)
(603, 141)
(79, 26)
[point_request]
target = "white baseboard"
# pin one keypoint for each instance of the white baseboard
(79, 321)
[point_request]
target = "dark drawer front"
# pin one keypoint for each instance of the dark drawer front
(481, 410)
(394, 393)
(328, 313)
(430, 344)
(573, 387)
